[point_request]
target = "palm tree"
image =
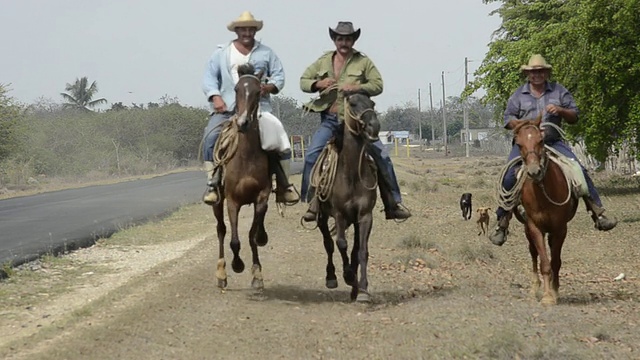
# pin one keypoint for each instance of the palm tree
(79, 95)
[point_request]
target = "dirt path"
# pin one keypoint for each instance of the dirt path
(440, 291)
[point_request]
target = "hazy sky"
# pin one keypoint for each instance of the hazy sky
(140, 50)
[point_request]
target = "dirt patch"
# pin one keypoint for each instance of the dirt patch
(440, 291)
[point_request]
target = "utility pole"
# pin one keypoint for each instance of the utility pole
(444, 118)
(433, 121)
(419, 119)
(464, 108)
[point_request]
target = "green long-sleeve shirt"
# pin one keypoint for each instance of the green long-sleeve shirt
(359, 69)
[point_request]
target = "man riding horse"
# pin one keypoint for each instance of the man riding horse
(345, 70)
(220, 79)
(554, 102)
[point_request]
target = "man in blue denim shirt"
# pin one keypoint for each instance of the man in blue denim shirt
(219, 83)
(555, 103)
(345, 70)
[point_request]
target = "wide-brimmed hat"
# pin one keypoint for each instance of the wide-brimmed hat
(344, 28)
(246, 19)
(536, 62)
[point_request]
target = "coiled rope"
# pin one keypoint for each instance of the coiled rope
(509, 199)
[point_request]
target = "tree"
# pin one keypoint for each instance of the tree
(80, 95)
(9, 124)
(593, 46)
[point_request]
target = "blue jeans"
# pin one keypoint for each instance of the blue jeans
(329, 126)
(212, 132)
(510, 177)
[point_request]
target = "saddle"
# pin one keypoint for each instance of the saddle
(571, 169)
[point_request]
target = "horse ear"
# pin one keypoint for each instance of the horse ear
(260, 74)
(538, 120)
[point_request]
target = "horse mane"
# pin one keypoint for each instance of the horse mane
(246, 69)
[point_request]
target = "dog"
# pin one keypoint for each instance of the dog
(483, 220)
(465, 206)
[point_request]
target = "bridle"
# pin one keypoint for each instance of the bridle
(358, 128)
(250, 112)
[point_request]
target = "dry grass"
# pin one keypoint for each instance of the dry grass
(440, 291)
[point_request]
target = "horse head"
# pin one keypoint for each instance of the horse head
(360, 116)
(529, 139)
(247, 95)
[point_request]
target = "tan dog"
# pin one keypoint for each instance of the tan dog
(483, 220)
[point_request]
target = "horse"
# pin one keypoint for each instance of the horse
(246, 178)
(549, 205)
(352, 195)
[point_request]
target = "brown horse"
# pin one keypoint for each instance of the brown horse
(548, 205)
(353, 196)
(246, 180)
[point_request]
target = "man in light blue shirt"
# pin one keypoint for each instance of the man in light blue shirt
(219, 83)
(555, 103)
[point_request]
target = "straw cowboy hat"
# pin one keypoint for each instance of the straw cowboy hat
(344, 28)
(536, 62)
(246, 19)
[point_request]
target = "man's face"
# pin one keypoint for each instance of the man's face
(538, 76)
(344, 44)
(246, 35)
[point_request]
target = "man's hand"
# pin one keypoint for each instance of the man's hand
(218, 104)
(267, 89)
(350, 88)
(553, 109)
(325, 83)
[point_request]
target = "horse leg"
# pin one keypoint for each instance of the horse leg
(341, 241)
(545, 265)
(331, 281)
(233, 209)
(556, 241)
(221, 271)
(535, 279)
(366, 223)
(256, 235)
(354, 252)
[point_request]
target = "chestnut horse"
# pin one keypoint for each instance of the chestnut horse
(352, 196)
(548, 205)
(246, 179)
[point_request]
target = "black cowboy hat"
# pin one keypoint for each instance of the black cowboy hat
(344, 28)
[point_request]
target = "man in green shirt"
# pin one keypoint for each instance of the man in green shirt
(334, 73)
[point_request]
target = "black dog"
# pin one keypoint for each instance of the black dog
(465, 205)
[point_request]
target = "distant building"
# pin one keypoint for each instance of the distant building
(387, 137)
(476, 134)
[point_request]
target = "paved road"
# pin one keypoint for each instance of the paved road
(31, 226)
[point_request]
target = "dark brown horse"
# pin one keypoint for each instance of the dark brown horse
(246, 180)
(549, 206)
(353, 196)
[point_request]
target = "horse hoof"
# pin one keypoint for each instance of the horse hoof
(257, 284)
(222, 283)
(363, 297)
(332, 283)
(548, 301)
(237, 265)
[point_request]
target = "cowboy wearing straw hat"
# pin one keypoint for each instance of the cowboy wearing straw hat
(555, 103)
(345, 70)
(219, 82)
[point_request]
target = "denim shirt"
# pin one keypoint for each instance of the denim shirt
(523, 105)
(218, 80)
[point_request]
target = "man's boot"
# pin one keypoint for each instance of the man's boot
(499, 235)
(312, 211)
(392, 209)
(286, 192)
(601, 222)
(214, 175)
